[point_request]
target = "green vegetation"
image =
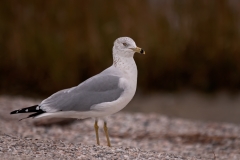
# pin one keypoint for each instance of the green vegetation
(49, 45)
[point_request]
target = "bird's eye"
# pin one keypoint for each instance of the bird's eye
(125, 44)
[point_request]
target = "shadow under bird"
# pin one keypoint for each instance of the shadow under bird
(99, 96)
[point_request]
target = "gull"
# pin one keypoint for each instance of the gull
(99, 96)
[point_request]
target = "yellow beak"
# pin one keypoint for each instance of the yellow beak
(138, 50)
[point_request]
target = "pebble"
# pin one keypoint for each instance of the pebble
(133, 136)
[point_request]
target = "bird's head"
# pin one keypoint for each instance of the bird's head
(126, 47)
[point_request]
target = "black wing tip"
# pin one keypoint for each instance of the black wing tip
(14, 112)
(35, 108)
(27, 110)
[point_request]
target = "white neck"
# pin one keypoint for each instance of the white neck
(126, 65)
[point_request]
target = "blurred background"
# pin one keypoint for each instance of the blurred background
(191, 68)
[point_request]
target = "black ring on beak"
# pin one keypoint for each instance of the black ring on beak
(142, 51)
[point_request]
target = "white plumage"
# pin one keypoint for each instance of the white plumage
(101, 95)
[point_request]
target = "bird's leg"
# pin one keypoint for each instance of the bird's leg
(106, 133)
(96, 130)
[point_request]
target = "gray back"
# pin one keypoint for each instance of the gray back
(98, 89)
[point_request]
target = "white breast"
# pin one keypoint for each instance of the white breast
(128, 82)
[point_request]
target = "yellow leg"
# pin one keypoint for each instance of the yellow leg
(96, 131)
(106, 133)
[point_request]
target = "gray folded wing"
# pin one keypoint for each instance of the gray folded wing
(96, 90)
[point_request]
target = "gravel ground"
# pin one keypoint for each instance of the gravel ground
(133, 136)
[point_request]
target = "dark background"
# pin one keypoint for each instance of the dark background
(191, 45)
(50, 45)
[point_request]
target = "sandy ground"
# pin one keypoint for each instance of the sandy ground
(133, 136)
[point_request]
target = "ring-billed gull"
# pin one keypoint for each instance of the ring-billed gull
(99, 96)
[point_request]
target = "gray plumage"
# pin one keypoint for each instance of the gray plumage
(98, 89)
(99, 96)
